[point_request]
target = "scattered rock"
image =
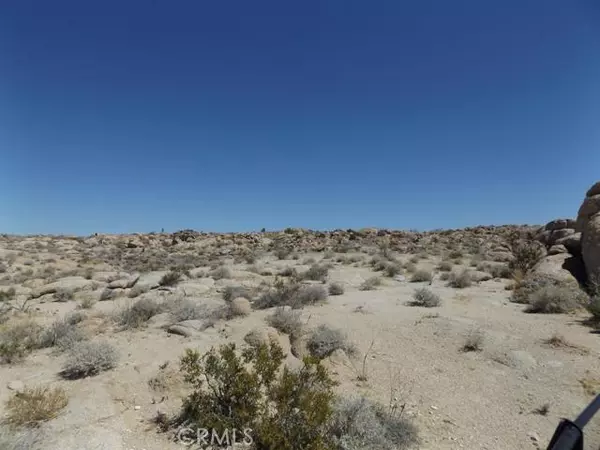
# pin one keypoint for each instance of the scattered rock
(67, 284)
(124, 283)
(557, 249)
(189, 328)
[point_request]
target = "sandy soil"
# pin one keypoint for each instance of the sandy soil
(472, 400)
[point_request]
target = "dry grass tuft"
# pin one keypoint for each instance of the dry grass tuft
(35, 405)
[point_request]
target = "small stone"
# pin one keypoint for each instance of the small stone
(137, 407)
(533, 436)
(16, 385)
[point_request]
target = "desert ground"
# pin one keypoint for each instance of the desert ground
(473, 370)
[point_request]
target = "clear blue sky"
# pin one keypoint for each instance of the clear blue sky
(125, 116)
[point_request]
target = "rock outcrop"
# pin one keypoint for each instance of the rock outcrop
(588, 223)
(560, 236)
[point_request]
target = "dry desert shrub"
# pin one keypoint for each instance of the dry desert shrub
(231, 292)
(445, 266)
(18, 338)
(336, 289)
(460, 280)
(35, 405)
(359, 424)
(421, 275)
(474, 341)
(392, 269)
(291, 294)
(135, 315)
(316, 273)
(425, 297)
(89, 358)
(325, 340)
(170, 278)
(370, 284)
(555, 300)
(62, 333)
(220, 273)
(182, 308)
(287, 321)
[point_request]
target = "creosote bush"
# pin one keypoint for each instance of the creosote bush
(35, 405)
(425, 297)
(526, 253)
(286, 410)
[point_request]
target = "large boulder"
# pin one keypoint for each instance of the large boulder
(588, 223)
(66, 284)
(562, 267)
(556, 233)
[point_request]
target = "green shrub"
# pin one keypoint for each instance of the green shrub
(286, 410)
(421, 275)
(425, 297)
(325, 340)
(526, 253)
